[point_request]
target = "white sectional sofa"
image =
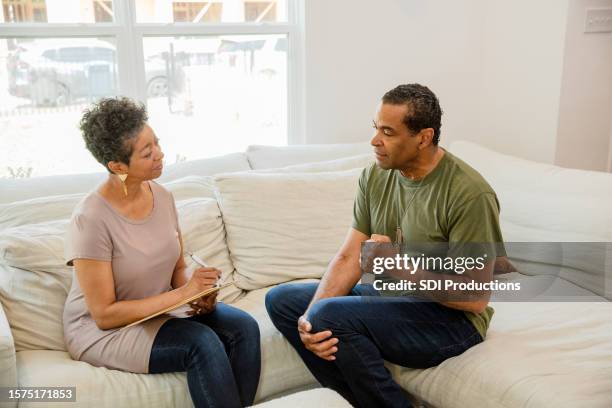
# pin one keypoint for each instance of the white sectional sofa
(277, 214)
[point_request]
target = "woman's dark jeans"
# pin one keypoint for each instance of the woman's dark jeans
(220, 352)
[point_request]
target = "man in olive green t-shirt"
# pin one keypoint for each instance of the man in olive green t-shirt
(415, 193)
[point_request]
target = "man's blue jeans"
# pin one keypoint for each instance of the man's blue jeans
(370, 328)
(220, 352)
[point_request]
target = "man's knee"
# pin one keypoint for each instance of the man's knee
(288, 300)
(327, 314)
(275, 299)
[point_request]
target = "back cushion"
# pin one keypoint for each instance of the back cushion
(204, 235)
(545, 203)
(34, 280)
(345, 163)
(36, 210)
(25, 189)
(206, 167)
(43, 209)
(282, 227)
(34, 284)
(267, 157)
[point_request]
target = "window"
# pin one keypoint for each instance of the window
(103, 11)
(197, 12)
(260, 11)
(215, 76)
(24, 10)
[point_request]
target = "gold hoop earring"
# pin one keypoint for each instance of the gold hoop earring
(123, 177)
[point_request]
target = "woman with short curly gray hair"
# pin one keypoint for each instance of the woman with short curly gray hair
(126, 248)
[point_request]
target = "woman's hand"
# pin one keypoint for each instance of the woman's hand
(204, 305)
(201, 280)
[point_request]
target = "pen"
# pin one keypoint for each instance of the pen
(200, 262)
(197, 260)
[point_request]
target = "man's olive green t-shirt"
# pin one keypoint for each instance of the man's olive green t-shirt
(452, 204)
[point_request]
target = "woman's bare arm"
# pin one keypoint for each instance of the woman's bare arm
(98, 287)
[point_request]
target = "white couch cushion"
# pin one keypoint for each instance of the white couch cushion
(98, 386)
(267, 157)
(24, 189)
(41, 209)
(536, 354)
(284, 226)
(540, 354)
(204, 235)
(542, 202)
(206, 167)
(545, 203)
(34, 283)
(344, 163)
(319, 397)
(34, 280)
(37, 210)
(282, 370)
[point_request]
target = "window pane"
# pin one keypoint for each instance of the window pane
(44, 86)
(214, 95)
(220, 11)
(56, 11)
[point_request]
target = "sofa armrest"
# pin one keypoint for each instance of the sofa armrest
(8, 362)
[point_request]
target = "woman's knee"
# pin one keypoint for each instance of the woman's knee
(203, 343)
(249, 327)
(234, 320)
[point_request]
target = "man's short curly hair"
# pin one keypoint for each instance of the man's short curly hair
(109, 126)
(423, 108)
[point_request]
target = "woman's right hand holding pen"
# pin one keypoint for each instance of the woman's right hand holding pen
(202, 278)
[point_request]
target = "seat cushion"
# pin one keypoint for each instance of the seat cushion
(536, 354)
(318, 397)
(282, 370)
(98, 386)
(540, 354)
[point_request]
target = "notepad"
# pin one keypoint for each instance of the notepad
(181, 303)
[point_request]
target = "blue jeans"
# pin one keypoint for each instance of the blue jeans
(220, 352)
(370, 328)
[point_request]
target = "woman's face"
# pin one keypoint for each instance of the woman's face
(146, 160)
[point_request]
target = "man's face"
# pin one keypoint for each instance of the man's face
(394, 145)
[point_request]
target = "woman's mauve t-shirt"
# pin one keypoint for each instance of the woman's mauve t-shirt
(143, 255)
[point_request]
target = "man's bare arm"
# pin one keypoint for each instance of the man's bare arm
(343, 271)
(342, 274)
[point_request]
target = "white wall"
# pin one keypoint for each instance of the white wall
(496, 66)
(357, 50)
(585, 112)
(522, 70)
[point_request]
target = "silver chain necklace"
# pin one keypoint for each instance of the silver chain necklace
(399, 236)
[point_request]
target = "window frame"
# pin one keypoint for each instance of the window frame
(129, 34)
